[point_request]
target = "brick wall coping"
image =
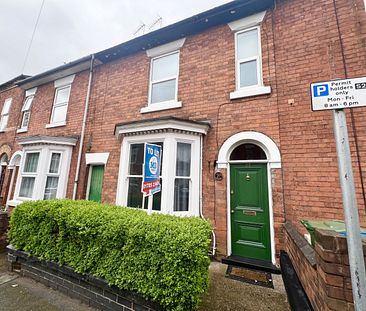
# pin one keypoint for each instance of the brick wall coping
(91, 290)
(303, 245)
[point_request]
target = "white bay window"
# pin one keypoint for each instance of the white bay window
(44, 168)
(180, 166)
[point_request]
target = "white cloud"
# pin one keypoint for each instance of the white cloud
(70, 29)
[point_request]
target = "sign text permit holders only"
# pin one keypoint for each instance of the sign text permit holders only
(338, 94)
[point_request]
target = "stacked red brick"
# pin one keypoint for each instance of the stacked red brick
(324, 270)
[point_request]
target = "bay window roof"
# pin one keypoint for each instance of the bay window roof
(164, 124)
(49, 140)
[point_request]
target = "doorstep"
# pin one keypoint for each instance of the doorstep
(251, 263)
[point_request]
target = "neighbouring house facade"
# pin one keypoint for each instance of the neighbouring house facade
(226, 93)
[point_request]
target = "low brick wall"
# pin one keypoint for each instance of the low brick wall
(4, 224)
(91, 290)
(324, 270)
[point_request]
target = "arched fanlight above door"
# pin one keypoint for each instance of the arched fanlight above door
(248, 152)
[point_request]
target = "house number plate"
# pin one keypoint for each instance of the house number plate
(250, 213)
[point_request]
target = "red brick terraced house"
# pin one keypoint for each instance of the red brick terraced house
(226, 93)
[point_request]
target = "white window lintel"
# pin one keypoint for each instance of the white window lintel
(98, 158)
(30, 92)
(7, 106)
(246, 22)
(64, 81)
(165, 48)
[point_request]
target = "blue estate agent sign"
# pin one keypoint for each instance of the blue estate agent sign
(338, 94)
(152, 161)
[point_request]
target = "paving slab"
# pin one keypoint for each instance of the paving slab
(224, 294)
(24, 294)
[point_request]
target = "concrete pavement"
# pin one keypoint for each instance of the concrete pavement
(224, 294)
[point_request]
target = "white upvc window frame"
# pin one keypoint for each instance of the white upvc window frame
(168, 170)
(128, 176)
(49, 174)
(57, 105)
(5, 114)
(189, 178)
(156, 53)
(29, 174)
(151, 82)
(26, 111)
(257, 58)
(240, 26)
(43, 171)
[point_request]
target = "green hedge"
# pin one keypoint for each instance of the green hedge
(162, 257)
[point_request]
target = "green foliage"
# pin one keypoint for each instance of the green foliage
(162, 257)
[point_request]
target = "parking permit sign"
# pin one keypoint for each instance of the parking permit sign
(338, 94)
(151, 177)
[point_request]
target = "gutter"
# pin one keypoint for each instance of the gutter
(82, 134)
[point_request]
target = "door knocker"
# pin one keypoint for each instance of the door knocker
(247, 177)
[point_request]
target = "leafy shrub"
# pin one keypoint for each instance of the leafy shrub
(162, 257)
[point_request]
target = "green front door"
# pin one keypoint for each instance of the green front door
(96, 183)
(250, 228)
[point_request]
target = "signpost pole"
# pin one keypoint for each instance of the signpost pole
(354, 242)
(149, 204)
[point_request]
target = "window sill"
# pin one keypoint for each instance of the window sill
(14, 202)
(250, 91)
(51, 125)
(22, 130)
(161, 106)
